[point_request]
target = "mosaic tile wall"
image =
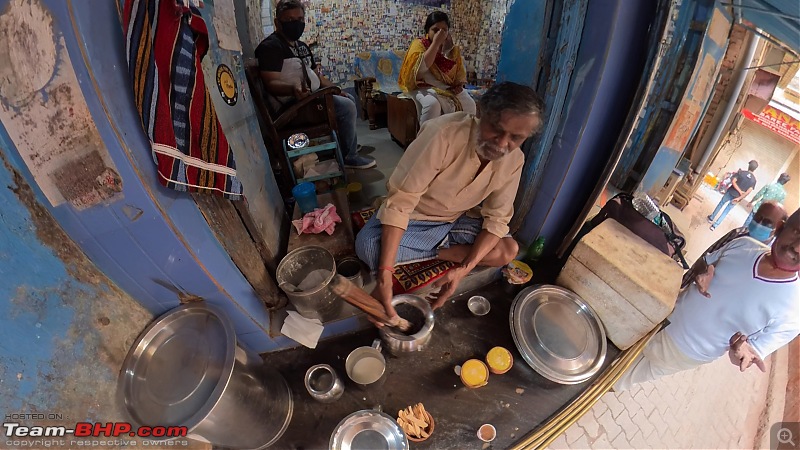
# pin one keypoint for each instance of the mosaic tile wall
(343, 28)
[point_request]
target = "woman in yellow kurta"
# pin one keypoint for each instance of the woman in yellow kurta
(433, 71)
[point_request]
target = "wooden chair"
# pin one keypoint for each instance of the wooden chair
(314, 115)
(373, 103)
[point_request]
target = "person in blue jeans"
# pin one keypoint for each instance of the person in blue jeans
(289, 73)
(742, 184)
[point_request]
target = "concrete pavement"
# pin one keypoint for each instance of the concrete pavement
(713, 406)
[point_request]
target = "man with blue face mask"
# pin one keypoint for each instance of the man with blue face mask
(289, 73)
(745, 302)
(762, 228)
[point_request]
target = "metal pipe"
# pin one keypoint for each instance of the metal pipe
(726, 114)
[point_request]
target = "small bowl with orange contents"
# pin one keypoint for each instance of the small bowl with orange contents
(474, 373)
(499, 360)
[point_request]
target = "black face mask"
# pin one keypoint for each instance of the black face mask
(293, 29)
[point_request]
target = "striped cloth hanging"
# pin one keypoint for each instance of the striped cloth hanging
(165, 42)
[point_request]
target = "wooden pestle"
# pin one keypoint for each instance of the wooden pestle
(359, 298)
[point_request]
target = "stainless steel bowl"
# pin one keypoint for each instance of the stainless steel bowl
(350, 268)
(558, 334)
(323, 384)
(368, 430)
(478, 305)
(186, 369)
(398, 342)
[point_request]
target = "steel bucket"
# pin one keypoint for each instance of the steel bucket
(186, 369)
(319, 302)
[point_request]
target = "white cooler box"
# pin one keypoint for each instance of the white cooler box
(629, 283)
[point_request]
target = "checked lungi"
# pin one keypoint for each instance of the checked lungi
(421, 240)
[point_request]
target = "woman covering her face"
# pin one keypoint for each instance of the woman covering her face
(433, 71)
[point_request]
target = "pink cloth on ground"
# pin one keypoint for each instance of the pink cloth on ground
(318, 220)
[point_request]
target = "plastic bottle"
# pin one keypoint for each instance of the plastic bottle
(535, 250)
(645, 206)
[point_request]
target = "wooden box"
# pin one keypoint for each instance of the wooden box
(629, 283)
(403, 122)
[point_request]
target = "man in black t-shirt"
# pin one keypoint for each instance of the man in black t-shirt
(742, 184)
(289, 73)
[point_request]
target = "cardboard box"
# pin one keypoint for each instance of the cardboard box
(631, 285)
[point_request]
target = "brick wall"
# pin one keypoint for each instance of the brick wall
(738, 40)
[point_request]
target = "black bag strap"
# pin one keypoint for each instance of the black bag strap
(677, 242)
(673, 239)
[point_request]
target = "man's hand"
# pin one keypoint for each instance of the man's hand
(300, 90)
(383, 293)
(736, 200)
(703, 281)
(742, 354)
(447, 285)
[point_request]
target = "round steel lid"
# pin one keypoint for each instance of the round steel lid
(178, 367)
(558, 334)
(368, 430)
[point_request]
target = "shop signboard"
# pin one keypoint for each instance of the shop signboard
(777, 121)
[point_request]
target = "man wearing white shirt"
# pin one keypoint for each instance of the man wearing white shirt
(746, 301)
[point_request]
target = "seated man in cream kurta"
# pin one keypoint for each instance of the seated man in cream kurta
(457, 163)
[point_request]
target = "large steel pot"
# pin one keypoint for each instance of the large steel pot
(318, 302)
(397, 342)
(185, 369)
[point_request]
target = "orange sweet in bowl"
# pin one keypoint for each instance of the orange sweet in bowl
(499, 360)
(474, 373)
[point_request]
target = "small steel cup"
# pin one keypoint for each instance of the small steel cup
(323, 384)
(375, 368)
(350, 268)
(478, 305)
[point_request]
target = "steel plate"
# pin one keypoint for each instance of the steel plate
(368, 430)
(178, 367)
(557, 333)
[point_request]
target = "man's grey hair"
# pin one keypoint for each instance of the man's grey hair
(286, 5)
(514, 98)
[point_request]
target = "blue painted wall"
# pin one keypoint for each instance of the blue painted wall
(524, 36)
(697, 96)
(552, 69)
(152, 242)
(64, 328)
(607, 69)
(687, 27)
